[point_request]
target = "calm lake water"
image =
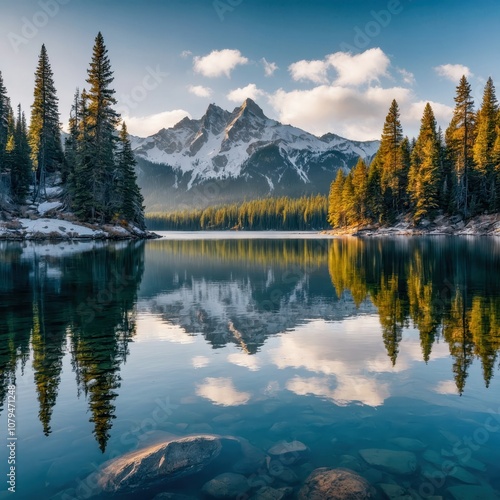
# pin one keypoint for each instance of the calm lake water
(341, 344)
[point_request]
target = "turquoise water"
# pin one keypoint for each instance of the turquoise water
(343, 345)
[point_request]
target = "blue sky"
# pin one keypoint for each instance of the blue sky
(325, 66)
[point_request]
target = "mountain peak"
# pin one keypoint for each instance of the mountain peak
(253, 108)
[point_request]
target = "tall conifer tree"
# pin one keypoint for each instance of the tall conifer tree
(484, 179)
(392, 167)
(44, 130)
(128, 192)
(459, 143)
(4, 122)
(424, 177)
(101, 122)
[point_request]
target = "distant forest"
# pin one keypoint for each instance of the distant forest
(285, 214)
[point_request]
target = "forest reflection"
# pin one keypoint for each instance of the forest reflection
(81, 300)
(448, 289)
(75, 300)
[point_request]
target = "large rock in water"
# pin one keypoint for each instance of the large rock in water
(335, 484)
(395, 462)
(228, 485)
(158, 464)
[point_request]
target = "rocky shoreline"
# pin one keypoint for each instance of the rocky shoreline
(483, 225)
(64, 229)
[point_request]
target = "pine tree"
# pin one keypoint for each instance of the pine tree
(484, 179)
(424, 176)
(100, 123)
(360, 186)
(128, 194)
(403, 172)
(19, 162)
(83, 187)
(69, 178)
(496, 166)
(5, 113)
(349, 202)
(44, 130)
(392, 164)
(4, 117)
(459, 142)
(335, 208)
(375, 198)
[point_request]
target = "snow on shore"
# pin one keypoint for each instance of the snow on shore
(58, 229)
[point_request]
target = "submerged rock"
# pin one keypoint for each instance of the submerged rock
(462, 475)
(394, 491)
(227, 485)
(435, 459)
(268, 493)
(335, 484)
(395, 462)
(473, 493)
(161, 463)
(281, 472)
(289, 452)
(408, 444)
(172, 496)
(472, 463)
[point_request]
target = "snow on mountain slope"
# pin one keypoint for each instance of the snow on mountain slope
(219, 144)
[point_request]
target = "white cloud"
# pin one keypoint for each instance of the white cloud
(144, 126)
(221, 391)
(200, 91)
(359, 68)
(250, 91)
(186, 53)
(269, 67)
(245, 360)
(356, 69)
(363, 389)
(200, 361)
(315, 71)
(442, 112)
(407, 76)
(219, 62)
(453, 71)
(446, 387)
(352, 113)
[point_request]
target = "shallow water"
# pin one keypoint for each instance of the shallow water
(341, 344)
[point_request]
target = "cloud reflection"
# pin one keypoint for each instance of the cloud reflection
(221, 391)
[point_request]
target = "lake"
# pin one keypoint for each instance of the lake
(345, 345)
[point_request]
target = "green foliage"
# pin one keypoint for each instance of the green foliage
(99, 166)
(44, 130)
(419, 179)
(460, 143)
(336, 216)
(19, 160)
(129, 200)
(286, 214)
(4, 123)
(425, 175)
(483, 151)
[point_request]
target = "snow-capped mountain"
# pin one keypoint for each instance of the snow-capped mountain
(235, 155)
